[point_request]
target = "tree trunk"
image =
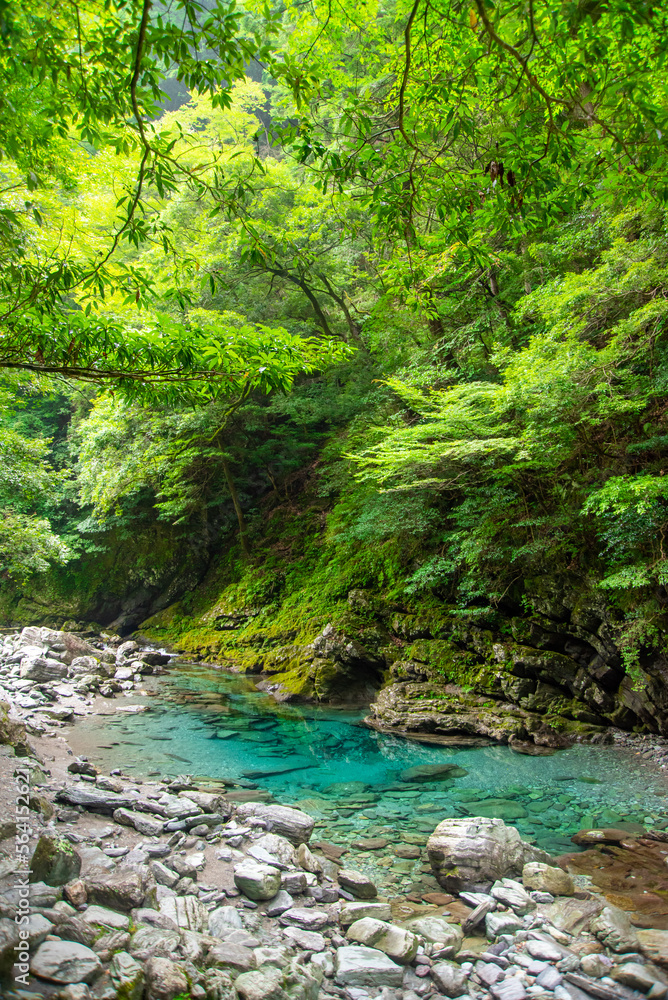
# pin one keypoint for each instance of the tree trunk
(243, 529)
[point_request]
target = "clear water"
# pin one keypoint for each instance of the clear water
(207, 722)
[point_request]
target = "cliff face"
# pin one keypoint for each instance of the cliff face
(544, 672)
(127, 578)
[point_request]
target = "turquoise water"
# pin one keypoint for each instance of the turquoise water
(207, 722)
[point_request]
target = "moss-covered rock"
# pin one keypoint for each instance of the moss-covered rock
(54, 861)
(13, 732)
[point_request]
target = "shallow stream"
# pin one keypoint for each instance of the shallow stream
(207, 722)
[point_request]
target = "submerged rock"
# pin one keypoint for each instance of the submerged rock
(654, 945)
(433, 772)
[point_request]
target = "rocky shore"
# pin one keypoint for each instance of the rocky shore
(175, 888)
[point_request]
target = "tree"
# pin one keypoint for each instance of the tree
(82, 83)
(462, 128)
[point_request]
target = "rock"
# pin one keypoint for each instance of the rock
(106, 946)
(308, 918)
(294, 882)
(399, 944)
(186, 911)
(82, 665)
(654, 945)
(126, 649)
(94, 798)
(437, 930)
(147, 915)
(94, 857)
(293, 824)
(38, 928)
(278, 847)
(162, 874)
(223, 919)
(127, 976)
(450, 979)
(636, 977)
(596, 965)
(545, 878)
(474, 852)
(54, 861)
(359, 966)
(279, 903)
(306, 940)
(512, 894)
(509, 989)
(549, 978)
(149, 826)
(410, 852)
(106, 918)
(265, 858)
(613, 929)
(83, 767)
(210, 802)
(195, 946)
(123, 889)
(544, 951)
(586, 838)
(357, 884)
(65, 962)
(571, 915)
(371, 843)
(366, 930)
(174, 807)
(42, 669)
(183, 867)
(307, 861)
(74, 991)
(502, 923)
(504, 809)
(236, 956)
(154, 941)
(9, 938)
(354, 911)
(488, 973)
(433, 772)
(257, 881)
(164, 979)
(260, 985)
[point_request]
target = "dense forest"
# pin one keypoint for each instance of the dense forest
(347, 314)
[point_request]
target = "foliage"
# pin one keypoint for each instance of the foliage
(381, 304)
(27, 542)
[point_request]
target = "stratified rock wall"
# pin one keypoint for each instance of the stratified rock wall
(539, 678)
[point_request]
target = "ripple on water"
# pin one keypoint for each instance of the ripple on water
(209, 722)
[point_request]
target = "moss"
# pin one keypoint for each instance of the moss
(13, 733)
(447, 661)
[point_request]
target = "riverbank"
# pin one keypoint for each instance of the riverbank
(201, 926)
